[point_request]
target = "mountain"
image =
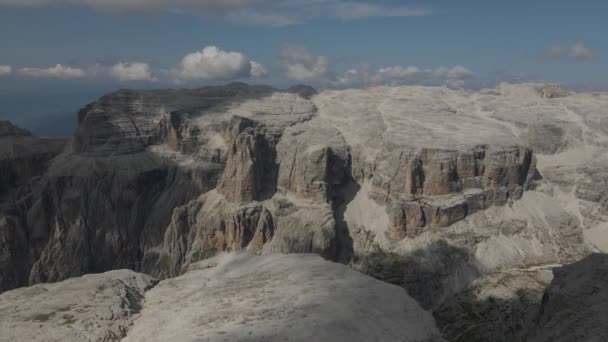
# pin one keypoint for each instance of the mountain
(441, 192)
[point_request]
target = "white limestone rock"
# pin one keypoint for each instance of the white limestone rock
(95, 307)
(241, 297)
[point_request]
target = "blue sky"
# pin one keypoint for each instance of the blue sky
(64, 53)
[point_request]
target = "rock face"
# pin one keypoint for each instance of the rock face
(574, 306)
(277, 298)
(99, 307)
(550, 303)
(23, 160)
(22, 156)
(503, 306)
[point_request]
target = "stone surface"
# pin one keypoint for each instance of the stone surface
(574, 306)
(503, 306)
(277, 298)
(548, 303)
(96, 307)
(313, 160)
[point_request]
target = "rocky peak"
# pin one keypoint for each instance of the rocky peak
(7, 129)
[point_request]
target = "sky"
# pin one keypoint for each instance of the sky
(58, 55)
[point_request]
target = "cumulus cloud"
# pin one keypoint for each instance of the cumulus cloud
(135, 71)
(453, 77)
(581, 52)
(5, 70)
(578, 52)
(454, 72)
(414, 73)
(58, 71)
(258, 70)
(349, 77)
(303, 65)
(213, 63)
(397, 72)
(257, 12)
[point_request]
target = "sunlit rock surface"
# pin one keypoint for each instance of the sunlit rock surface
(277, 298)
(96, 307)
(233, 297)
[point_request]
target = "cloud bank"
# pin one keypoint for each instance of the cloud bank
(58, 71)
(215, 64)
(577, 52)
(211, 63)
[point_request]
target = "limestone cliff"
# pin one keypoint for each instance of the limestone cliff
(156, 179)
(427, 188)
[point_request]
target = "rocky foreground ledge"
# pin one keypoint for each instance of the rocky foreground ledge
(243, 297)
(228, 298)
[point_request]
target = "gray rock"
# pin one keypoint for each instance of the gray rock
(96, 307)
(499, 307)
(313, 160)
(276, 298)
(574, 306)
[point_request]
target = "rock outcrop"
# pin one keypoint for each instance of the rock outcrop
(231, 297)
(22, 156)
(548, 303)
(503, 306)
(96, 307)
(23, 160)
(574, 305)
(277, 298)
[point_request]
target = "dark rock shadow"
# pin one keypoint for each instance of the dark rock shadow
(429, 274)
(344, 241)
(464, 318)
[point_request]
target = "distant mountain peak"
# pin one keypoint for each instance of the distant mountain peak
(7, 129)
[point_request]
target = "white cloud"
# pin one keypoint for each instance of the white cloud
(256, 12)
(581, 52)
(303, 65)
(58, 71)
(135, 71)
(397, 72)
(258, 70)
(349, 77)
(454, 72)
(416, 74)
(578, 52)
(5, 70)
(212, 63)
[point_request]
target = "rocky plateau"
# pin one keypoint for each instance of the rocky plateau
(482, 216)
